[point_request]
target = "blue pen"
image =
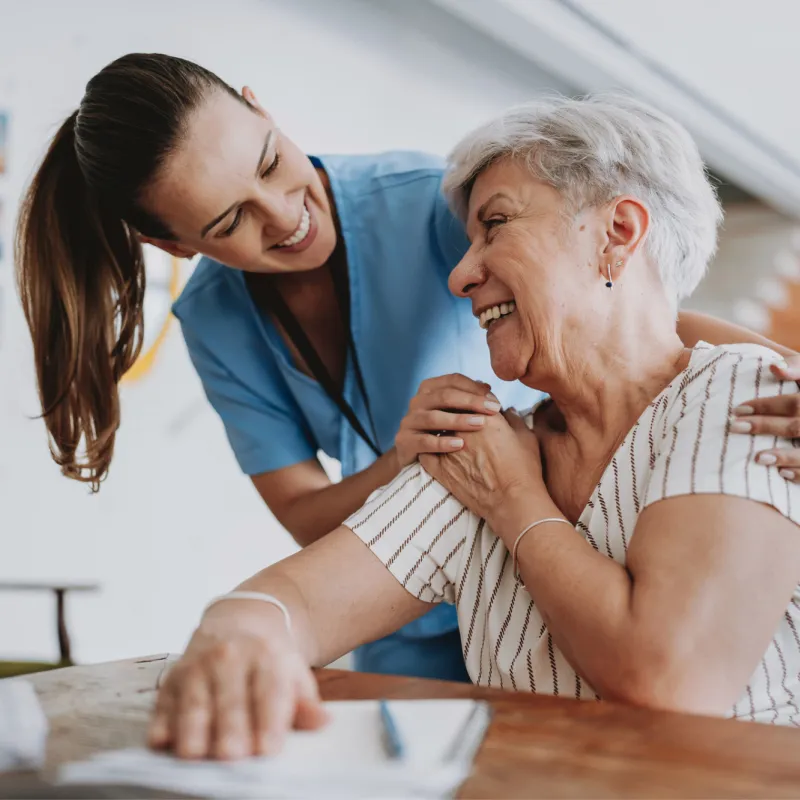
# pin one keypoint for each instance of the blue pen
(391, 735)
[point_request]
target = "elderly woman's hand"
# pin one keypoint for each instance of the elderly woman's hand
(777, 416)
(496, 465)
(439, 413)
(237, 690)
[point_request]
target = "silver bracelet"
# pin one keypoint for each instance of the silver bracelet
(527, 530)
(266, 598)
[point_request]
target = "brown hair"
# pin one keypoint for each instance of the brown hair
(79, 263)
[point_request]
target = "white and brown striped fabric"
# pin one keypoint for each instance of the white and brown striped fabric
(441, 552)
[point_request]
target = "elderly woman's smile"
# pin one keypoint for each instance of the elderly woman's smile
(528, 253)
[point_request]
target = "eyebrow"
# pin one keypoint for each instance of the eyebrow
(214, 222)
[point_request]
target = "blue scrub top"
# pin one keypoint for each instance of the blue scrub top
(402, 242)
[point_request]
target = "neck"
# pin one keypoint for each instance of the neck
(601, 389)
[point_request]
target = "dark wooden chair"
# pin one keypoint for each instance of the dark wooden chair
(59, 590)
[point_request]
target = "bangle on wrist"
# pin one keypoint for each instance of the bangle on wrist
(266, 598)
(530, 527)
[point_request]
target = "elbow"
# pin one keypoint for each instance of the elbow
(666, 679)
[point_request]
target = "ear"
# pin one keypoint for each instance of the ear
(168, 246)
(250, 98)
(628, 222)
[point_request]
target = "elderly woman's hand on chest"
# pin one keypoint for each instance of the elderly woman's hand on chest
(497, 464)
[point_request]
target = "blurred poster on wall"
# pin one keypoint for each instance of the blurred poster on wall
(3, 141)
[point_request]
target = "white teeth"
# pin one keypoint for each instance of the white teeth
(488, 316)
(300, 233)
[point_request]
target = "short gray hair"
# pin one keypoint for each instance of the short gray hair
(597, 148)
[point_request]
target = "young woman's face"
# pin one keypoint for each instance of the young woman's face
(236, 189)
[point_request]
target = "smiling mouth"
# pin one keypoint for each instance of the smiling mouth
(300, 232)
(491, 315)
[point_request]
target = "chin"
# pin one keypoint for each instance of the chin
(506, 366)
(504, 352)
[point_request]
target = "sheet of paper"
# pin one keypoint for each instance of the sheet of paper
(23, 726)
(345, 759)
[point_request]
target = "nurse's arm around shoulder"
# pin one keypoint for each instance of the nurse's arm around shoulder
(308, 505)
(245, 678)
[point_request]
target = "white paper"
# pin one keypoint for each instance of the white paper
(23, 726)
(345, 759)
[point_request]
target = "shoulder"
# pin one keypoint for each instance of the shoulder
(209, 288)
(373, 182)
(726, 372)
(385, 170)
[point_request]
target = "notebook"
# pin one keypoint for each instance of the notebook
(345, 759)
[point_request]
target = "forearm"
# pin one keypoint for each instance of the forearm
(694, 327)
(585, 598)
(315, 514)
(331, 614)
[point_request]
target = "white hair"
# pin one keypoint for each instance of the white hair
(594, 149)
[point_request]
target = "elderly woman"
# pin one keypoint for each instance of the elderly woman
(616, 542)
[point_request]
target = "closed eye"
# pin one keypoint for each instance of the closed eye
(233, 226)
(493, 222)
(272, 167)
(240, 212)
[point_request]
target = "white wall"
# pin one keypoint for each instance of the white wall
(176, 522)
(740, 54)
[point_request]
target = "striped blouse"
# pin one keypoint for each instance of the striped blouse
(442, 552)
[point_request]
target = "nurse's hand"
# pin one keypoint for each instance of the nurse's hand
(443, 408)
(237, 691)
(777, 416)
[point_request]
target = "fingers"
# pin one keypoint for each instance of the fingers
(450, 397)
(193, 716)
(436, 420)
(430, 443)
(786, 461)
(514, 419)
(783, 405)
(787, 370)
(231, 736)
(159, 735)
(310, 713)
(784, 427)
(274, 703)
(454, 380)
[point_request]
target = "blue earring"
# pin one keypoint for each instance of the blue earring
(609, 282)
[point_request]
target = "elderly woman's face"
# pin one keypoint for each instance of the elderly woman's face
(530, 268)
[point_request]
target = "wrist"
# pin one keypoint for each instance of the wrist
(388, 466)
(250, 617)
(518, 510)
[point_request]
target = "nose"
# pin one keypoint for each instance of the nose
(467, 275)
(280, 211)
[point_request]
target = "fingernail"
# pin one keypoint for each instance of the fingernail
(786, 473)
(476, 421)
(490, 396)
(492, 405)
(737, 426)
(744, 411)
(766, 458)
(781, 364)
(456, 443)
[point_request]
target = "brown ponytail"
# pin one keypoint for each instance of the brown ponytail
(81, 278)
(80, 270)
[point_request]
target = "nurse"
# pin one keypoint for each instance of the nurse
(320, 307)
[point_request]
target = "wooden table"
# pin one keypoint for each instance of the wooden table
(536, 747)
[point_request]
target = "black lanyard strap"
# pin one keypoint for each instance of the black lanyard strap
(267, 298)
